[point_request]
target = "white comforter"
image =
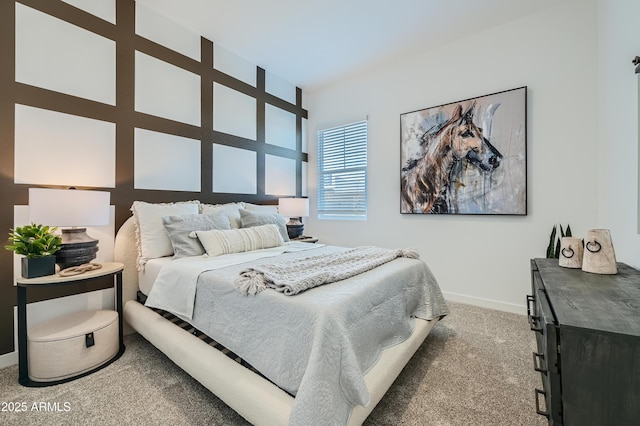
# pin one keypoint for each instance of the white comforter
(174, 290)
(319, 344)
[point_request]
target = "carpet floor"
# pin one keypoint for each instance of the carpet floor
(475, 368)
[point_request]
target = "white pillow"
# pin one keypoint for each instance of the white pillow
(261, 208)
(151, 236)
(231, 209)
(217, 242)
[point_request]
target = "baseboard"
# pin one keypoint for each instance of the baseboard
(486, 303)
(11, 358)
(7, 360)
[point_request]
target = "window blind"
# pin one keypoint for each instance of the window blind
(342, 172)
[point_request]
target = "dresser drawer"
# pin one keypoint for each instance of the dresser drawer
(588, 336)
(545, 359)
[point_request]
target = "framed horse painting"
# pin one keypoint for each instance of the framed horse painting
(466, 157)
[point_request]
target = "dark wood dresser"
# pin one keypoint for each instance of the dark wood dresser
(587, 329)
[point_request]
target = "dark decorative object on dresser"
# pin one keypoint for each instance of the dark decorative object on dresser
(587, 330)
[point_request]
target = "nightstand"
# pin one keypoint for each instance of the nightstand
(112, 269)
(305, 239)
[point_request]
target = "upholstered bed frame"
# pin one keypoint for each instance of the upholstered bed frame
(253, 397)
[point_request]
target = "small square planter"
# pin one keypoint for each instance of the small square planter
(33, 267)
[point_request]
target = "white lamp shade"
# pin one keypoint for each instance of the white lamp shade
(293, 207)
(69, 207)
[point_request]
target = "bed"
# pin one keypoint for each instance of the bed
(323, 395)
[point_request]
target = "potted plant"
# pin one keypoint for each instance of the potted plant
(37, 243)
(553, 249)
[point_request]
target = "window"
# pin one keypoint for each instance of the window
(342, 172)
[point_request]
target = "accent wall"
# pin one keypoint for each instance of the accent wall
(109, 95)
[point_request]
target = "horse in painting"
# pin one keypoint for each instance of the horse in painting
(426, 180)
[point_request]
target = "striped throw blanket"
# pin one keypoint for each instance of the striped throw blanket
(293, 277)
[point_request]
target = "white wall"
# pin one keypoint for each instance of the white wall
(618, 44)
(482, 260)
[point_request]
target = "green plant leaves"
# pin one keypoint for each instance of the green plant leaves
(553, 249)
(34, 240)
(551, 246)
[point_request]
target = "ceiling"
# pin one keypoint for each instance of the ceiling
(311, 43)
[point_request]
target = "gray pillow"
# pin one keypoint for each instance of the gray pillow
(179, 227)
(257, 218)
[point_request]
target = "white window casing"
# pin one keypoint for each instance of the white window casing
(342, 171)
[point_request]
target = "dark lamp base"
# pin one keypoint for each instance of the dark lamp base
(294, 231)
(77, 248)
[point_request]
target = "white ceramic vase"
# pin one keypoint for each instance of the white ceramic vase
(571, 252)
(599, 255)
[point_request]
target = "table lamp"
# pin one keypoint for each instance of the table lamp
(73, 208)
(295, 209)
